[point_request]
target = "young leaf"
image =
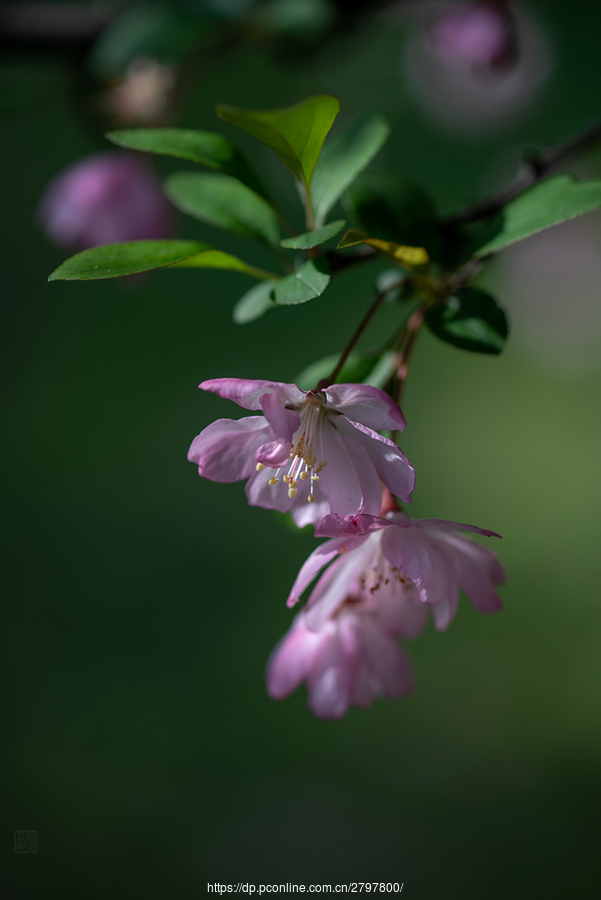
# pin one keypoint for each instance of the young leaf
(224, 202)
(310, 281)
(254, 302)
(295, 133)
(204, 147)
(357, 366)
(407, 256)
(313, 238)
(115, 260)
(548, 203)
(372, 367)
(470, 319)
(343, 157)
(387, 207)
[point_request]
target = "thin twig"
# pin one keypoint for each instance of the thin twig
(536, 169)
(412, 328)
(325, 382)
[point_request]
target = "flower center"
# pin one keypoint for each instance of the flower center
(305, 449)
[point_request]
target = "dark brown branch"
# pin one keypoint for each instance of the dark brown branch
(534, 170)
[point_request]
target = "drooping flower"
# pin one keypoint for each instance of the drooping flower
(348, 661)
(284, 453)
(388, 575)
(105, 198)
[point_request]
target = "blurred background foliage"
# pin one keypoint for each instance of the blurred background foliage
(141, 602)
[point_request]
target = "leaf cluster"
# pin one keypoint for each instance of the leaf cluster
(433, 260)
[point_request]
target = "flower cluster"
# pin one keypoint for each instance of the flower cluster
(319, 456)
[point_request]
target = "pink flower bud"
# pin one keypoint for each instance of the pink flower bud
(471, 34)
(103, 199)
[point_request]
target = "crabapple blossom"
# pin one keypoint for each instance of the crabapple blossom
(389, 573)
(104, 198)
(284, 453)
(348, 661)
(432, 553)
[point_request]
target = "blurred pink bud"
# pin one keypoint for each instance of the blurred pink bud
(471, 34)
(104, 199)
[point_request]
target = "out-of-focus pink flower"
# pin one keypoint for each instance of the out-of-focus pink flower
(284, 452)
(348, 661)
(387, 577)
(472, 34)
(103, 199)
(471, 66)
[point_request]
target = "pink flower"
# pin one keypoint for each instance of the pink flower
(348, 661)
(103, 199)
(471, 34)
(284, 453)
(388, 575)
(377, 554)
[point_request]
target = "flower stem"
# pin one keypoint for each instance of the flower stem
(325, 382)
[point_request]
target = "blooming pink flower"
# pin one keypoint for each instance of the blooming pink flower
(105, 198)
(431, 553)
(284, 452)
(388, 575)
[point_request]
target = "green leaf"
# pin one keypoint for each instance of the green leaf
(389, 208)
(115, 260)
(204, 147)
(295, 133)
(343, 157)
(470, 319)
(149, 31)
(361, 366)
(224, 202)
(406, 256)
(548, 203)
(310, 281)
(255, 302)
(313, 238)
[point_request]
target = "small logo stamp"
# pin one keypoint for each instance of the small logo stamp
(26, 842)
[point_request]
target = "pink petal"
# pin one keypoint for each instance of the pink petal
(247, 393)
(423, 561)
(371, 488)
(388, 661)
(445, 525)
(339, 482)
(401, 612)
(444, 613)
(330, 681)
(315, 563)
(284, 422)
(260, 493)
(308, 513)
(336, 525)
(323, 604)
(291, 660)
(477, 567)
(366, 404)
(390, 462)
(225, 450)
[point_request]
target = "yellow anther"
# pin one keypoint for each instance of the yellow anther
(273, 481)
(314, 477)
(287, 479)
(311, 498)
(303, 476)
(292, 492)
(293, 484)
(260, 467)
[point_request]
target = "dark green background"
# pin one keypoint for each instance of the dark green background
(141, 602)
